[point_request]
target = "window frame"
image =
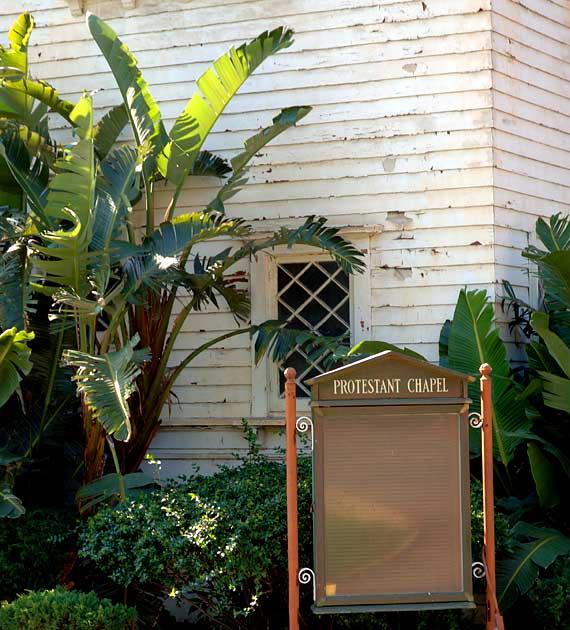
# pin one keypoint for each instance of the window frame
(265, 400)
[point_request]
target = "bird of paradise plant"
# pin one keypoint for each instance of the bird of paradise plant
(117, 290)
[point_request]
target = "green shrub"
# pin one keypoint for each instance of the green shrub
(551, 597)
(37, 539)
(219, 541)
(65, 610)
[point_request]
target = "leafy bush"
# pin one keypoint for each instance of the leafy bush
(220, 543)
(37, 539)
(551, 597)
(70, 610)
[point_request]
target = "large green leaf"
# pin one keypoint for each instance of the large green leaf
(142, 109)
(208, 164)
(109, 128)
(555, 235)
(544, 476)
(473, 340)
(537, 548)
(557, 348)
(15, 294)
(10, 505)
(42, 92)
(157, 256)
(117, 188)
(315, 233)
(216, 87)
(29, 171)
(556, 389)
(14, 361)
(107, 382)
(553, 261)
(108, 487)
(71, 199)
(284, 120)
(14, 65)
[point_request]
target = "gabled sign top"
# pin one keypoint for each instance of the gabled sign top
(389, 375)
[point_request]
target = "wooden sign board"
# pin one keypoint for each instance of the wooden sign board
(391, 486)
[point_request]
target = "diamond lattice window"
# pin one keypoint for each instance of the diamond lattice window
(311, 296)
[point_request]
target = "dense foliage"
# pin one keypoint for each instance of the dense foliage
(33, 550)
(220, 543)
(70, 610)
(550, 598)
(107, 286)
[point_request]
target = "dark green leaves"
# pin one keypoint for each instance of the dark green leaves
(108, 487)
(14, 361)
(537, 548)
(473, 340)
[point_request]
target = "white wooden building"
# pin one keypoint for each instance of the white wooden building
(440, 132)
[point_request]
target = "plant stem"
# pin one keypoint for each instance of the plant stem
(122, 492)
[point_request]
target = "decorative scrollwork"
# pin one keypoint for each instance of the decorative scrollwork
(303, 424)
(478, 570)
(475, 420)
(305, 576)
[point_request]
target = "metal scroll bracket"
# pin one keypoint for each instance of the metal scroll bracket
(307, 575)
(478, 570)
(303, 424)
(475, 420)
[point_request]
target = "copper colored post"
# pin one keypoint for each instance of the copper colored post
(494, 620)
(292, 522)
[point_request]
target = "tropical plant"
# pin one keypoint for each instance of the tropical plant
(41, 407)
(115, 291)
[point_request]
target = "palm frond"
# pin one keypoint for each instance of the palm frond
(19, 33)
(107, 381)
(108, 129)
(42, 92)
(143, 112)
(70, 200)
(315, 233)
(275, 338)
(286, 119)
(157, 256)
(15, 294)
(14, 65)
(14, 360)
(108, 487)
(30, 172)
(473, 340)
(10, 505)
(537, 548)
(216, 87)
(117, 189)
(49, 380)
(208, 164)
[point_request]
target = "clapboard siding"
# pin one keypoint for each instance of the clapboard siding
(531, 132)
(445, 124)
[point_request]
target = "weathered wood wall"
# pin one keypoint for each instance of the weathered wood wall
(446, 123)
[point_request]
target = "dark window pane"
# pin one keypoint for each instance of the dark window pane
(311, 296)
